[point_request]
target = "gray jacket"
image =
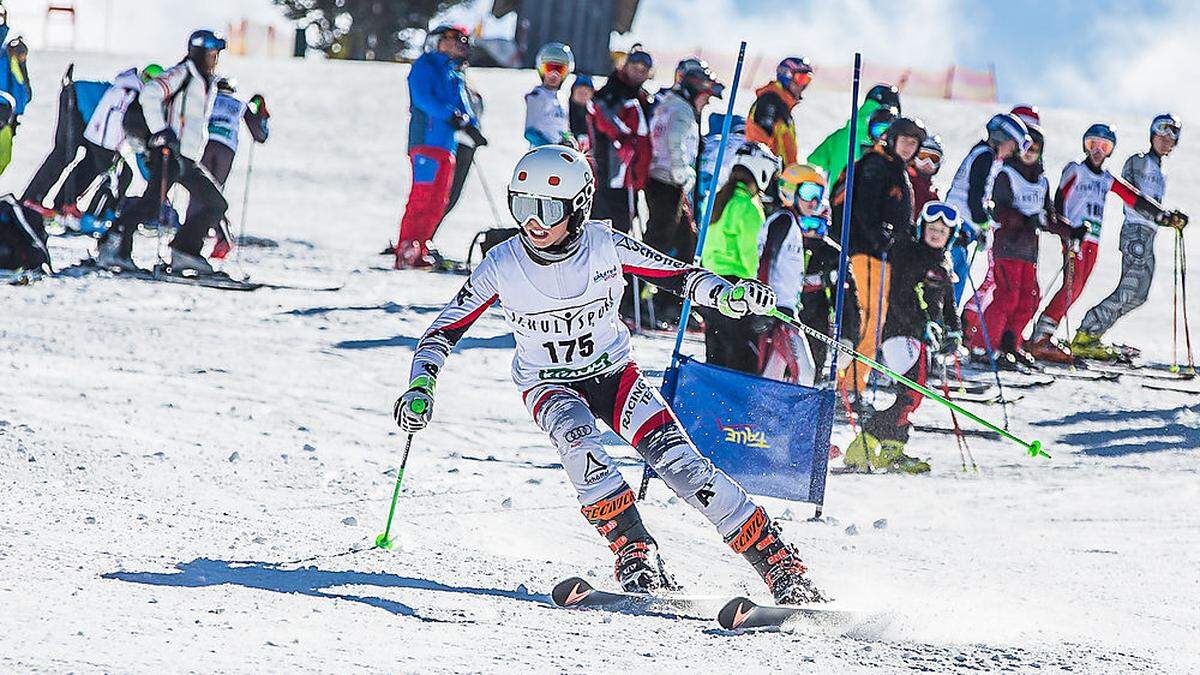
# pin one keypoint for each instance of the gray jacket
(1144, 172)
(675, 141)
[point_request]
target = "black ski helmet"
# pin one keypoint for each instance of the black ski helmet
(885, 95)
(697, 78)
(912, 127)
(200, 43)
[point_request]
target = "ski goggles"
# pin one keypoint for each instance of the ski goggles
(806, 191)
(547, 211)
(1033, 152)
(814, 224)
(1096, 143)
(802, 79)
(552, 67)
(935, 211)
(928, 160)
(878, 129)
(1166, 128)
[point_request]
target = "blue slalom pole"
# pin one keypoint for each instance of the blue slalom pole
(668, 386)
(844, 258)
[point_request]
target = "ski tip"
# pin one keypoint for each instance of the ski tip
(735, 612)
(570, 592)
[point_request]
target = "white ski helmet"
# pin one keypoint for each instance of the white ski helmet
(549, 184)
(760, 162)
(555, 52)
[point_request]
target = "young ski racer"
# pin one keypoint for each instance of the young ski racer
(558, 284)
(1144, 172)
(801, 264)
(1009, 296)
(546, 121)
(1080, 199)
(920, 317)
(971, 189)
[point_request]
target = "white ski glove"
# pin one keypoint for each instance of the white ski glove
(747, 296)
(413, 410)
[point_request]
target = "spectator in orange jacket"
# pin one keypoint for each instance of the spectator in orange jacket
(770, 121)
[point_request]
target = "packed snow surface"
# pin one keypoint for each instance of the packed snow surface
(192, 479)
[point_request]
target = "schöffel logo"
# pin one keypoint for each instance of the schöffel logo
(606, 275)
(744, 434)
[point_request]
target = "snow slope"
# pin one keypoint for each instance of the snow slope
(190, 477)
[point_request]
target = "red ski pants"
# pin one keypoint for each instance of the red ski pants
(1009, 297)
(433, 173)
(1085, 260)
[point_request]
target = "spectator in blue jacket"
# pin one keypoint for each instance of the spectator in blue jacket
(440, 107)
(14, 76)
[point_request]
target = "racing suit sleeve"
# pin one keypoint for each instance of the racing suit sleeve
(1135, 199)
(156, 92)
(687, 281)
(472, 300)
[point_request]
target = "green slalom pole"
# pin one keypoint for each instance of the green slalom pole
(383, 541)
(1034, 449)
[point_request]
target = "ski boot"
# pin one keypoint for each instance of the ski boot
(109, 256)
(1023, 359)
(1044, 349)
(861, 453)
(1088, 346)
(776, 562)
(893, 459)
(638, 567)
(186, 262)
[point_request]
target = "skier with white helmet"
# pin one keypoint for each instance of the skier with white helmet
(1144, 172)
(971, 189)
(546, 121)
(558, 284)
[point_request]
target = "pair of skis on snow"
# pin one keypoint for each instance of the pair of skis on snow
(161, 272)
(740, 613)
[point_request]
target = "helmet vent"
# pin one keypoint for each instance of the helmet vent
(554, 180)
(522, 175)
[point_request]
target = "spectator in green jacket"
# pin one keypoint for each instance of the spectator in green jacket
(731, 250)
(831, 153)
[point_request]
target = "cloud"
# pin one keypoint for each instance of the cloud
(1137, 62)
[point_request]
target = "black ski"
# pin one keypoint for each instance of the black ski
(744, 614)
(976, 433)
(576, 593)
(1159, 385)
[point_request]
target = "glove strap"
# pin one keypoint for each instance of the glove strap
(423, 383)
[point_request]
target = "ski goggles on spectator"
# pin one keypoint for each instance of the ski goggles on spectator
(928, 160)
(551, 67)
(1166, 128)
(878, 129)
(806, 191)
(814, 224)
(935, 211)
(1096, 143)
(547, 211)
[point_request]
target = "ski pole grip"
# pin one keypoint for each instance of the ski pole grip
(417, 406)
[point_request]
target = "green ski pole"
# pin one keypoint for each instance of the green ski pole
(1034, 449)
(383, 541)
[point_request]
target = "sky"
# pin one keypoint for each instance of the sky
(1128, 56)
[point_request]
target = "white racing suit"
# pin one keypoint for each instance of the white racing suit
(1144, 172)
(572, 364)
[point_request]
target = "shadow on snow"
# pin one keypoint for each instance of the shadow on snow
(309, 581)
(1138, 431)
(387, 308)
